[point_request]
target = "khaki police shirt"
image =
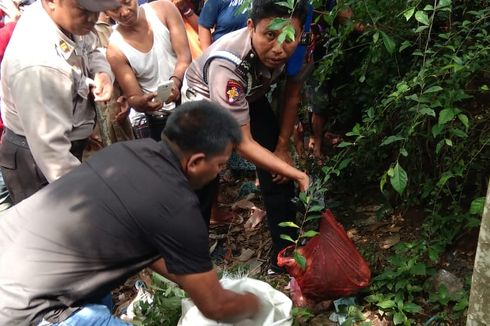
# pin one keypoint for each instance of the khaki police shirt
(45, 89)
(228, 83)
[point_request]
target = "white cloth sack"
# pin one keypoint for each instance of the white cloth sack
(275, 306)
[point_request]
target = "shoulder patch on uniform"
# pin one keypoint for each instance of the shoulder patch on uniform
(234, 90)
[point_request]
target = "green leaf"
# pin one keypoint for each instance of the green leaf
(433, 89)
(282, 37)
(448, 142)
(433, 254)
(309, 234)
(403, 152)
(390, 45)
(289, 224)
(277, 24)
(439, 146)
(399, 179)
(444, 3)
(464, 120)
(446, 115)
(444, 178)
(409, 13)
(427, 111)
(398, 318)
(344, 163)
(373, 298)
(287, 238)
(422, 17)
(404, 45)
(437, 129)
(418, 269)
(300, 260)
(284, 4)
(386, 304)
(302, 197)
(477, 206)
(461, 305)
(428, 8)
(382, 182)
(391, 139)
(458, 133)
(412, 307)
(418, 30)
(375, 37)
(344, 144)
(316, 208)
(290, 32)
(313, 217)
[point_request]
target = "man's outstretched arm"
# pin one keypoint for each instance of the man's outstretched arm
(210, 297)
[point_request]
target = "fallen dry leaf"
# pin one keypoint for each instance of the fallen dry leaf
(390, 241)
(393, 228)
(254, 266)
(243, 204)
(256, 216)
(245, 255)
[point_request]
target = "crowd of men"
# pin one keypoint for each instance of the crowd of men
(77, 230)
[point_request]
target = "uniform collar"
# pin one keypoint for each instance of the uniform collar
(64, 45)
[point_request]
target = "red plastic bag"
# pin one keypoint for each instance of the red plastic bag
(334, 267)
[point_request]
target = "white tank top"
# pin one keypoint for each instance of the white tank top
(155, 66)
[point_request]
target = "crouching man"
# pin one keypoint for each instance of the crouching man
(130, 206)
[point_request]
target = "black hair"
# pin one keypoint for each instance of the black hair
(263, 9)
(202, 126)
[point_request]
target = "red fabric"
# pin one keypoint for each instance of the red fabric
(5, 34)
(334, 267)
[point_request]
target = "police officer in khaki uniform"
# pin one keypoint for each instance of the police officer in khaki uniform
(236, 71)
(51, 74)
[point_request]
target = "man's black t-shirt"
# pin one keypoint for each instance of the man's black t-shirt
(87, 232)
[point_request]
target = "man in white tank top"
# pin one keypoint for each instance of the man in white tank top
(149, 47)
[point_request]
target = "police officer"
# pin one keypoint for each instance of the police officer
(51, 73)
(236, 71)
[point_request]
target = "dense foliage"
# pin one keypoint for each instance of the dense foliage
(414, 82)
(407, 86)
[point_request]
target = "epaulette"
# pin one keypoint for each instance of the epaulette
(243, 67)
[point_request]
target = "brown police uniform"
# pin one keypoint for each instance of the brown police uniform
(230, 73)
(46, 105)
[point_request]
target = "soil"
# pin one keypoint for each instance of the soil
(237, 248)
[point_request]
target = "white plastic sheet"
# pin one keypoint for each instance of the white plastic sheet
(275, 306)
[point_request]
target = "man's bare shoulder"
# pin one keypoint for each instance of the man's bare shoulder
(163, 9)
(115, 55)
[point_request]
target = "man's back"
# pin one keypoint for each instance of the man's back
(88, 231)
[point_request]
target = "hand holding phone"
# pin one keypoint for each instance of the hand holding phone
(164, 91)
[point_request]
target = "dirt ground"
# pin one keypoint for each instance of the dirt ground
(242, 245)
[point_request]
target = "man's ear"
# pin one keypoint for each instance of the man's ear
(51, 4)
(194, 162)
(250, 24)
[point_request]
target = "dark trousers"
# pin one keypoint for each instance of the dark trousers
(156, 126)
(21, 174)
(206, 197)
(277, 198)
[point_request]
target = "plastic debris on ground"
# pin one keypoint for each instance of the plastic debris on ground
(340, 315)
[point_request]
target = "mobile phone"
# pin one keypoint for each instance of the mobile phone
(164, 91)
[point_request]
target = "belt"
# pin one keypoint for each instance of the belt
(77, 146)
(13, 138)
(158, 116)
